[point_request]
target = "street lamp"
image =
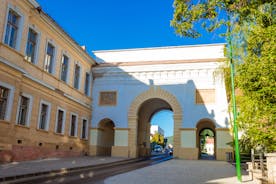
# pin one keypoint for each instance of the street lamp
(236, 138)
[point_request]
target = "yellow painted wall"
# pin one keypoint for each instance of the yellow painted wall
(31, 79)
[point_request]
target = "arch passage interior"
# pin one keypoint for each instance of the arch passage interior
(146, 111)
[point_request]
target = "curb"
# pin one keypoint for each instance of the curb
(63, 171)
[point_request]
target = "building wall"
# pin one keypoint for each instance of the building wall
(19, 142)
(156, 128)
(179, 75)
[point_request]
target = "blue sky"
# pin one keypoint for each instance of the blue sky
(122, 24)
(164, 119)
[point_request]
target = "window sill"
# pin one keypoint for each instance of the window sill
(59, 134)
(41, 130)
(5, 121)
(22, 126)
(70, 136)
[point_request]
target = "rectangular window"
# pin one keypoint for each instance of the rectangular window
(108, 98)
(205, 96)
(73, 128)
(60, 121)
(64, 68)
(4, 94)
(31, 45)
(44, 116)
(77, 76)
(12, 29)
(23, 111)
(87, 84)
(49, 59)
(84, 129)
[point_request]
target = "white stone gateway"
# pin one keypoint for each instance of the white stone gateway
(130, 85)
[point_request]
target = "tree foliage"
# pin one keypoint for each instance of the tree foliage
(157, 139)
(252, 29)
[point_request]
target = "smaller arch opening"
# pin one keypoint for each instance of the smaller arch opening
(105, 137)
(206, 140)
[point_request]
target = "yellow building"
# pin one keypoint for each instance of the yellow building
(45, 86)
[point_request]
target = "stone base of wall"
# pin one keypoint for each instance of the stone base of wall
(99, 151)
(23, 153)
(221, 153)
(92, 150)
(187, 153)
(119, 151)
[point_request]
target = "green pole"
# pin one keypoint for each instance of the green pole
(237, 150)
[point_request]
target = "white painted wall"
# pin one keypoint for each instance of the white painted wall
(156, 128)
(161, 53)
(179, 79)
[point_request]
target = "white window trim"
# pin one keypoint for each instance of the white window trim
(63, 120)
(76, 129)
(69, 62)
(48, 114)
(37, 43)
(55, 55)
(86, 133)
(79, 83)
(89, 83)
(10, 100)
(20, 25)
(30, 107)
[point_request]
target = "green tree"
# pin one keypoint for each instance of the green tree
(157, 139)
(251, 25)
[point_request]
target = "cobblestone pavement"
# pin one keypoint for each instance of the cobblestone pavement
(181, 172)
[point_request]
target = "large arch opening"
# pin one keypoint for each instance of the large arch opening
(139, 113)
(105, 137)
(206, 139)
(161, 132)
(145, 113)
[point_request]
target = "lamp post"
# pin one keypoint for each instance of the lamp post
(236, 138)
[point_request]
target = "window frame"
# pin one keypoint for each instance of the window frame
(36, 54)
(20, 26)
(86, 131)
(64, 53)
(53, 71)
(29, 109)
(76, 128)
(47, 117)
(88, 93)
(10, 100)
(79, 80)
(63, 120)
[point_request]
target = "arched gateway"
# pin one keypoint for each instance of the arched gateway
(129, 86)
(140, 111)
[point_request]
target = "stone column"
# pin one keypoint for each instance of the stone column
(271, 167)
(120, 148)
(93, 139)
(223, 137)
(132, 136)
(188, 149)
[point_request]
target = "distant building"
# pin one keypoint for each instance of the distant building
(156, 128)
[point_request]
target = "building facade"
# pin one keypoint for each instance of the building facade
(156, 129)
(45, 86)
(131, 85)
(47, 83)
